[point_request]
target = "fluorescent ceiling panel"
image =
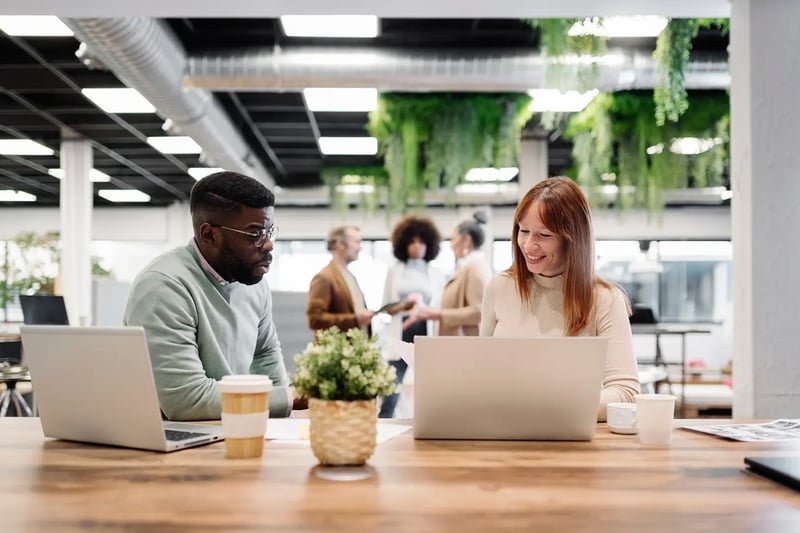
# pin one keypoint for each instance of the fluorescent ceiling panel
(95, 175)
(686, 146)
(201, 172)
(639, 26)
(555, 100)
(34, 26)
(490, 174)
(177, 144)
(348, 145)
(123, 195)
(23, 147)
(16, 196)
(347, 26)
(319, 99)
(119, 100)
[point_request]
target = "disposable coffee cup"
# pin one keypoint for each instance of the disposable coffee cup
(245, 411)
(654, 413)
(621, 418)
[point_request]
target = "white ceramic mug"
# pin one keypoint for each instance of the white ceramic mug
(654, 413)
(621, 418)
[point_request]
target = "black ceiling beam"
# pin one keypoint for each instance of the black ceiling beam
(75, 87)
(243, 113)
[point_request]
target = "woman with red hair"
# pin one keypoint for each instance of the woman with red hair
(551, 288)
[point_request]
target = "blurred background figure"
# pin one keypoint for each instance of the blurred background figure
(334, 297)
(460, 306)
(412, 280)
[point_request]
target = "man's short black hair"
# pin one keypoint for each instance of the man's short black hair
(228, 192)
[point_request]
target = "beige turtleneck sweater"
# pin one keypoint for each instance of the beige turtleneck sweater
(504, 315)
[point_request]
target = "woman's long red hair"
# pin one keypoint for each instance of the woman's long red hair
(565, 211)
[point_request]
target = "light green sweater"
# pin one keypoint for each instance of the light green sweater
(199, 330)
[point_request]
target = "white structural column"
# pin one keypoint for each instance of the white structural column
(76, 230)
(532, 164)
(765, 69)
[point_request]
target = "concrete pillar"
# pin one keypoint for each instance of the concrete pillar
(76, 230)
(533, 163)
(765, 69)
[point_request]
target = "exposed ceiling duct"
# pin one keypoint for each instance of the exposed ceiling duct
(403, 70)
(146, 56)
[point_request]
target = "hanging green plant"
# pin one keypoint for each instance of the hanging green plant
(366, 180)
(556, 45)
(616, 139)
(673, 46)
(430, 141)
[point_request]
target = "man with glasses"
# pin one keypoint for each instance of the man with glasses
(206, 307)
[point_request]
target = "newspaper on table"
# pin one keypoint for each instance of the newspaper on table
(782, 429)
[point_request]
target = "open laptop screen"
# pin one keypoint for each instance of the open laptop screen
(44, 310)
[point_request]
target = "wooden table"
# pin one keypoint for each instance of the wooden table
(609, 484)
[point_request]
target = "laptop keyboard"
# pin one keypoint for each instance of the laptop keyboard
(176, 435)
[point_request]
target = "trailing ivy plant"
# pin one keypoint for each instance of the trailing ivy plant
(616, 139)
(673, 46)
(430, 141)
(372, 178)
(556, 43)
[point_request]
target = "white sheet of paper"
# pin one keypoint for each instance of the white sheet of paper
(403, 349)
(295, 430)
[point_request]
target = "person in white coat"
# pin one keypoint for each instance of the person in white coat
(415, 243)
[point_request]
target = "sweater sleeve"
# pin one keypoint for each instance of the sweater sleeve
(268, 360)
(470, 313)
(488, 315)
(164, 307)
(320, 294)
(621, 379)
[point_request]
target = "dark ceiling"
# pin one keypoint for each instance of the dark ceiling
(41, 78)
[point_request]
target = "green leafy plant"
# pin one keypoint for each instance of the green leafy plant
(673, 46)
(343, 366)
(430, 141)
(29, 266)
(556, 44)
(616, 140)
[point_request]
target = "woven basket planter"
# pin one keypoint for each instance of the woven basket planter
(343, 433)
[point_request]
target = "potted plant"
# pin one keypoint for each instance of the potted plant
(342, 375)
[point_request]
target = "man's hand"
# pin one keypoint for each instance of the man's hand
(364, 317)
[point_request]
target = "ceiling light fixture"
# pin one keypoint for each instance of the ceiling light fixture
(490, 174)
(23, 147)
(16, 196)
(178, 144)
(638, 26)
(346, 26)
(556, 101)
(348, 145)
(95, 175)
(354, 100)
(686, 146)
(34, 26)
(119, 100)
(199, 173)
(124, 195)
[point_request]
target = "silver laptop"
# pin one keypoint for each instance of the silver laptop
(545, 388)
(95, 384)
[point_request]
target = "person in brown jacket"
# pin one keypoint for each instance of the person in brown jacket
(334, 297)
(460, 311)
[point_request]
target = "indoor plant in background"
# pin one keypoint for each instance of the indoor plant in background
(342, 374)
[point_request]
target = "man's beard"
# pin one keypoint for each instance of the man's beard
(232, 268)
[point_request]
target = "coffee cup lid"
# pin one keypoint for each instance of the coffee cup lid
(245, 383)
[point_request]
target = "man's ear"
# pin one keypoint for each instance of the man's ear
(208, 234)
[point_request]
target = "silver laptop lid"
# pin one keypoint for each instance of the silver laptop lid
(94, 384)
(545, 388)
